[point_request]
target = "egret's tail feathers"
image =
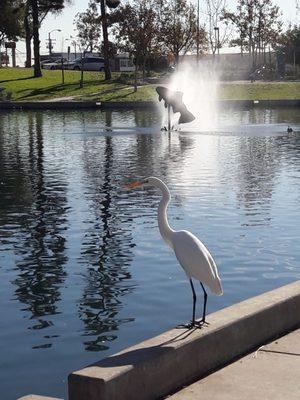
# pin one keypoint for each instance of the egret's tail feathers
(216, 288)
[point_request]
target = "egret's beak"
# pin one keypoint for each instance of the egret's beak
(133, 185)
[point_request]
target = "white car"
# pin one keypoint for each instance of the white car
(87, 64)
(55, 64)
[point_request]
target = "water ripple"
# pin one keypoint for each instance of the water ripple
(83, 268)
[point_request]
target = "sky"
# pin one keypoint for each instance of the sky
(64, 21)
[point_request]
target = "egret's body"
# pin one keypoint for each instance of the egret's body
(196, 260)
(191, 253)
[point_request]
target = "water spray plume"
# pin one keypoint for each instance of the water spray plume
(199, 84)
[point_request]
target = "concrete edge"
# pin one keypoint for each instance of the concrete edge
(108, 105)
(49, 105)
(37, 397)
(156, 367)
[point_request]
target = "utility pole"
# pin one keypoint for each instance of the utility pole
(50, 40)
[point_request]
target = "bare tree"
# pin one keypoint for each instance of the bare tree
(179, 27)
(258, 24)
(218, 32)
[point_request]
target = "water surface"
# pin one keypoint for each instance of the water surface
(84, 272)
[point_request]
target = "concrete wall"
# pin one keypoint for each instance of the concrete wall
(158, 366)
(233, 66)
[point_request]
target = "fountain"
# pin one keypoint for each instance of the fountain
(199, 84)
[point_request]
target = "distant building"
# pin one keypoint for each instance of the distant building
(122, 63)
(232, 66)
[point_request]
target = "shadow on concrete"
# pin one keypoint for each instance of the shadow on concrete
(143, 354)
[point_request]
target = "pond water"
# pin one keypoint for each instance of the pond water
(84, 272)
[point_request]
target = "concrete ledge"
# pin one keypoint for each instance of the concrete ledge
(248, 104)
(158, 366)
(76, 105)
(132, 105)
(128, 105)
(36, 397)
(48, 105)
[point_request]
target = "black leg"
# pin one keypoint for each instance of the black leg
(204, 305)
(194, 302)
(193, 323)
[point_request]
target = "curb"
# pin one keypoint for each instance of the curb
(130, 105)
(157, 367)
(49, 105)
(36, 397)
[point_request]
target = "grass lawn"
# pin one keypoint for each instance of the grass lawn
(260, 90)
(26, 88)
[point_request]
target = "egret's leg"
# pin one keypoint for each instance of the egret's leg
(204, 305)
(194, 302)
(191, 324)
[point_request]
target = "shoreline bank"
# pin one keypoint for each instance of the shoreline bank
(131, 105)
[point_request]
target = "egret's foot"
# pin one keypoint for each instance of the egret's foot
(201, 323)
(189, 325)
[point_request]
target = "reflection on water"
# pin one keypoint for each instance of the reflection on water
(106, 250)
(82, 266)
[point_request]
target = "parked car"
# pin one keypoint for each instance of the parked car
(46, 62)
(49, 60)
(87, 64)
(55, 64)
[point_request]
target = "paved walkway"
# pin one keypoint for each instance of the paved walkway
(271, 373)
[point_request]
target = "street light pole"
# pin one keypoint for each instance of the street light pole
(73, 42)
(217, 39)
(50, 40)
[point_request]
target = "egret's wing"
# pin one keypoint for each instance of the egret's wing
(196, 260)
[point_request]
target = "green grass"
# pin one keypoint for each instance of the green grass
(26, 88)
(260, 91)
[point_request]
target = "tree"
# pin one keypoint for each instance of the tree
(10, 19)
(44, 7)
(178, 27)
(36, 12)
(258, 24)
(289, 44)
(136, 30)
(214, 11)
(88, 24)
(27, 32)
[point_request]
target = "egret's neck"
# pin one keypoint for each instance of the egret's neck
(163, 224)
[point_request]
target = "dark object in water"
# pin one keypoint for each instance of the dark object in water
(289, 130)
(174, 100)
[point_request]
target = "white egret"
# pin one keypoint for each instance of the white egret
(191, 253)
